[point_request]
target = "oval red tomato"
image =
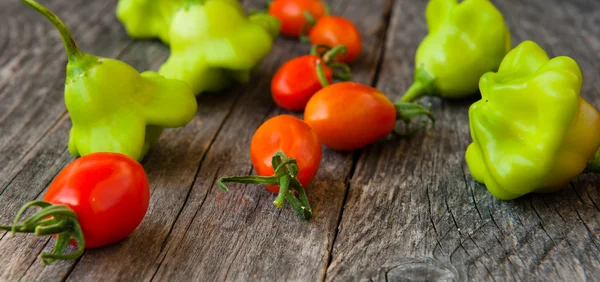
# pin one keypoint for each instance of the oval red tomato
(291, 136)
(108, 191)
(333, 31)
(348, 116)
(297, 80)
(291, 14)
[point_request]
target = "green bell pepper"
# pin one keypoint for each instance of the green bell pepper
(531, 130)
(223, 45)
(465, 41)
(114, 108)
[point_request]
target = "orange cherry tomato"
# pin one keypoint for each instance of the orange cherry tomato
(291, 136)
(348, 116)
(291, 14)
(297, 80)
(333, 31)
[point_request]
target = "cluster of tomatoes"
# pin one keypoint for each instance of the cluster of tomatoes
(343, 116)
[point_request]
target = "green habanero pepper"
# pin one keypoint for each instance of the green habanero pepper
(224, 45)
(213, 43)
(531, 130)
(146, 19)
(465, 41)
(114, 108)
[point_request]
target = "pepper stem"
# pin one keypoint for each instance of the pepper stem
(51, 219)
(73, 52)
(286, 172)
(594, 165)
(423, 85)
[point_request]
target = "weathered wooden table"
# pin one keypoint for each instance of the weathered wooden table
(400, 209)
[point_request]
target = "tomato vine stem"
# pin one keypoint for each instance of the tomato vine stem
(51, 219)
(327, 56)
(285, 176)
(406, 112)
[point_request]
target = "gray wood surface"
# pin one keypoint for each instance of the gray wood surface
(398, 210)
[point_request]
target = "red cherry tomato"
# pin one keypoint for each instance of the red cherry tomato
(109, 193)
(333, 31)
(348, 116)
(291, 136)
(297, 80)
(291, 14)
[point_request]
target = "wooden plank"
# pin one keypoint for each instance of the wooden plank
(254, 240)
(386, 230)
(413, 210)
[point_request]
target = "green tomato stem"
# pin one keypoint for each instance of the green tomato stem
(341, 71)
(319, 50)
(594, 165)
(327, 9)
(309, 18)
(73, 52)
(330, 55)
(321, 74)
(62, 243)
(406, 112)
(286, 171)
(51, 219)
(310, 22)
(249, 179)
(284, 186)
(300, 205)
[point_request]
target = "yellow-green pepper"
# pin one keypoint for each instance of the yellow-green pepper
(146, 19)
(114, 108)
(465, 41)
(531, 130)
(213, 43)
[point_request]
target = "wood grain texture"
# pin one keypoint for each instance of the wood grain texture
(414, 212)
(255, 240)
(399, 210)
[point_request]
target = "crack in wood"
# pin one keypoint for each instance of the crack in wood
(216, 175)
